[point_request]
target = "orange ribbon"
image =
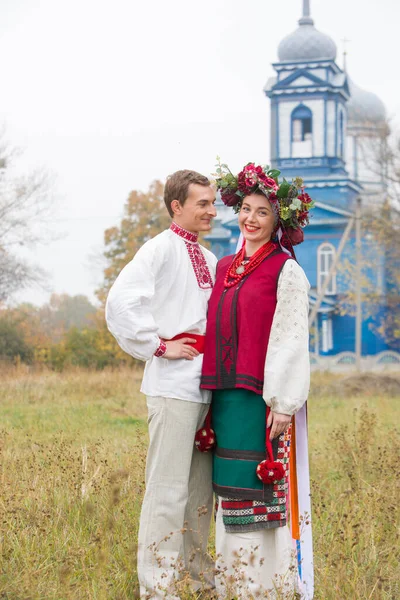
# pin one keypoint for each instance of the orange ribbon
(294, 497)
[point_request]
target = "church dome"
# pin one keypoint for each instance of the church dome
(363, 106)
(306, 43)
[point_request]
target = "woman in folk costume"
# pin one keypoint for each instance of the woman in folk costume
(257, 364)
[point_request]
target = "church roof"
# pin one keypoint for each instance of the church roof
(363, 106)
(306, 43)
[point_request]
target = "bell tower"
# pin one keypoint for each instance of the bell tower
(308, 108)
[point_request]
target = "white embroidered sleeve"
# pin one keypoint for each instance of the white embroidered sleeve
(287, 364)
(128, 313)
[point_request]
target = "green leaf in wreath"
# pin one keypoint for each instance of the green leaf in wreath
(283, 189)
(274, 173)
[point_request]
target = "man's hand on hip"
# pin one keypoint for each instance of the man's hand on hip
(181, 349)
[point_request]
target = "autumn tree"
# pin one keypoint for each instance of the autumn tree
(63, 312)
(144, 217)
(67, 331)
(13, 343)
(24, 201)
(384, 226)
(381, 228)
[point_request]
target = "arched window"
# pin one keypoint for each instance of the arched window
(301, 124)
(301, 136)
(325, 258)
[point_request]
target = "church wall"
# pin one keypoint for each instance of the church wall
(330, 126)
(342, 131)
(343, 329)
(361, 165)
(367, 168)
(350, 157)
(274, 132)
(321, 73)
(285, 110)
(341, 197)
(317, 109)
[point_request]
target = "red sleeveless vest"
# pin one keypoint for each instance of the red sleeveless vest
(239, 323)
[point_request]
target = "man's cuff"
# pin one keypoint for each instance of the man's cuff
(161, 350)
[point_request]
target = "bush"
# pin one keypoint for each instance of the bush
(13, 343)
(87, 348)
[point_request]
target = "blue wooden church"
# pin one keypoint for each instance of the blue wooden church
(322, 125)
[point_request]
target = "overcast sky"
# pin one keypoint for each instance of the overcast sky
(109, 95)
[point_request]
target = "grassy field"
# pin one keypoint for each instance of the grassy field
(73, 449)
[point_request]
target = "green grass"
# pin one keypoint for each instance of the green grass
(73, 448)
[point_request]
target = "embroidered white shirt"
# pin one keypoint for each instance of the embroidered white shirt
(287, 363)
(161, 293)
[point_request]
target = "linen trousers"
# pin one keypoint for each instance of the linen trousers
(177, 505)
(254, 564)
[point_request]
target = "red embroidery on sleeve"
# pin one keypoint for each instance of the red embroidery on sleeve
(161, 350)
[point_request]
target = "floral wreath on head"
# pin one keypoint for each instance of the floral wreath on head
(289, 200)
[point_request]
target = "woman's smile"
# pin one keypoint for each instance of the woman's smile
(251, 228)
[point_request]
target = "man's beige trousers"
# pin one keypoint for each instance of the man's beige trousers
(173, 529)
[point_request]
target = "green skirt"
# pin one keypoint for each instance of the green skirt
(239, 422)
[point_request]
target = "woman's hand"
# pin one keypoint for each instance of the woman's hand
(180, 349)
(278, 423)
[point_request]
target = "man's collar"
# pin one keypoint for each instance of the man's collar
(184, 233)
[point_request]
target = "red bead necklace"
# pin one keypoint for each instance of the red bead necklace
(240, 267)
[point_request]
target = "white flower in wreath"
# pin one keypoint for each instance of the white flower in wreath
(296, 204)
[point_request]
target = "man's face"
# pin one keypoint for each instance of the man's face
(198, 211)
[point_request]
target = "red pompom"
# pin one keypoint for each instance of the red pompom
(269, 471)
(205, 439)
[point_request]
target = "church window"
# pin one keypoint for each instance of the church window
(327, 334)
(301, 124)
(325, 258)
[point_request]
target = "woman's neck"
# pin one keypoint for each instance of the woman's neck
(252, 247)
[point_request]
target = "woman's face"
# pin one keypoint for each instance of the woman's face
(256, 219)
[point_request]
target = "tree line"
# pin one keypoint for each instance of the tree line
(70, 330)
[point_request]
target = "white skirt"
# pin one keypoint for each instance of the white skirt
(259, 564)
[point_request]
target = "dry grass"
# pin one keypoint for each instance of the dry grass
(72, 475)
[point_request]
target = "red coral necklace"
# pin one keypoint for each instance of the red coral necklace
(241, 267)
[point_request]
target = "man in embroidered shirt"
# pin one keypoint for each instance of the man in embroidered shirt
(163, 293)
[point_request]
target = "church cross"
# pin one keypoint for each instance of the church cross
(345, 41)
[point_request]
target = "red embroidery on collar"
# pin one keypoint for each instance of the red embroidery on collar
(196, 256)
(200, 266)
(184, 233)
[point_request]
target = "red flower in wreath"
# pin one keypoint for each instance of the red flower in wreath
(268, 182)
(251, 176)
(229, 197)
(246, 181)
(305, 198)
(303, 218)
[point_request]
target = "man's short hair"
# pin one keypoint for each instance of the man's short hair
(177, 186)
